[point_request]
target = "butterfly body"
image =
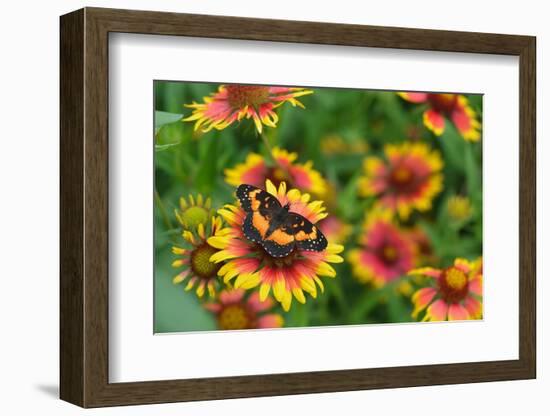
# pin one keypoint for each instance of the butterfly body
(278, 230)
(278, 220)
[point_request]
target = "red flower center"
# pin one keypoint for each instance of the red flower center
(277, 175)
(444, 103)
(235, 316)
(200, 261)
(401, 175)
(402, 179)
(240, 96)
(453, 285)
(389, 254)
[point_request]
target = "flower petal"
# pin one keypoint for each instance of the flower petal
(457, 312)
(287, 301)
(437, 311)
(414, 97)
(475, 285)
(421, 299)
(325, 269)
(272, 320)
(464, 118)
(243, 280)
(257, 305)
(269, 187)
(213, 307)
(463, 265)
(279, 289)
(231, 296)
(264, 291)
(299, 295)
(180, 277)
(474, 307)
(434, 121)
(425, 271)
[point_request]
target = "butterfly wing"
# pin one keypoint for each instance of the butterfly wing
(256, 199)
(306, 235)
(280, 242)
(261, 207)
(255, 227)
(295, 231)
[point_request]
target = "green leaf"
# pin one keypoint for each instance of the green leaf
(162, 147)
(162, 118)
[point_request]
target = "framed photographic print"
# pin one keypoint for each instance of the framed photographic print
(260, 207)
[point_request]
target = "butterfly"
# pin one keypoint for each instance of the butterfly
(274, 227)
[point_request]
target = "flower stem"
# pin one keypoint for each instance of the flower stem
(272, 158)
(268, 146)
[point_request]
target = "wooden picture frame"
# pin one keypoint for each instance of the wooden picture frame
(84, 207)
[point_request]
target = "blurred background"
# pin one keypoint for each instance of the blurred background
(336, 132)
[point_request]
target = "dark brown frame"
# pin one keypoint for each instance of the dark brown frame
(84, 207)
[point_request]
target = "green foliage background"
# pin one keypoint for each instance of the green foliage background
(187, 163)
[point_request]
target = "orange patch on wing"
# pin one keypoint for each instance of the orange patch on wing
(254, 202)
(260, 223)
(301, 235)
(280, 237)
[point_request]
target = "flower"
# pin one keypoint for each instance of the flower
(335, 229)
(198, 269)
(255, 170)
(236, 311)
(197, 211)
(408, 179)
(232, 103)
(459, 208)
(385, 251)
(250, 265)
(454, 107)
(455, 293)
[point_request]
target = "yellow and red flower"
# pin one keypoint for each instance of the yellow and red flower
(385, 251)
(235, 310)
(454, 107)
(194, 257)
(455, 293)
(250, 265)
(232, 103)
(408, 178)
(255, 170)
(335, 229)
